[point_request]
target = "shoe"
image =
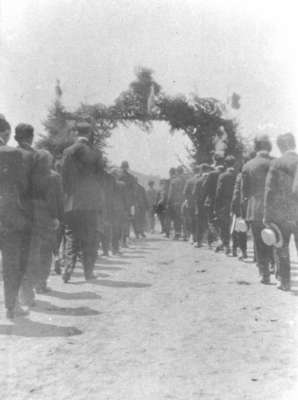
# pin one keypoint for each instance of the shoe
(10, 314)
(234, 253)
(90, 277)
(227, 251)
(243, 256)
(285, 288)
(198, 245)
(219, 248)
(265, 281)
(105, 254)
(66, 277)
(43, 289)
(20, 312)
(57, 267)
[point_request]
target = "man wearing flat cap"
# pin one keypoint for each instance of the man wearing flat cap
(82, 170)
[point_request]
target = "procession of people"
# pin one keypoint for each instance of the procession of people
(62, 216)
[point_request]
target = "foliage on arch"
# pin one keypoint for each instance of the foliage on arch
(204, 120)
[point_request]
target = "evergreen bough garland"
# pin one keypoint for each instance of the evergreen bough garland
(203, 120)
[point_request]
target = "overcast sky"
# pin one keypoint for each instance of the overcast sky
(208, 47)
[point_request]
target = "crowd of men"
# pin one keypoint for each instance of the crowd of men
(220, 203)
(66, 210)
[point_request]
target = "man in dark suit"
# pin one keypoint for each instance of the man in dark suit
(24, 135)
(141, 206)
(223, 198)
(201, 214)
(211, 185)
(13, 219)
(130, 182)
(175, 200)
(188, 193)
(254, 175)
(281, 201)
(82, 181)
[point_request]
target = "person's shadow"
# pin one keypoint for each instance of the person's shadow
(46, 307)
(27, 328)
(119, 284)
(73, 296)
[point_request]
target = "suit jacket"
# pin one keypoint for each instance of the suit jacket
(13, 186)
(175, 194)
(141, 202)
(236, 199)
(189, 187)
(200, 193)
(130, 184)
(224, 191)
(120, 201)
(254, 175)
(211, 185)
(82, 169)
(28, 156)
(281, 202)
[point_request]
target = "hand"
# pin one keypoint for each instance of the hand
(266, 222)
(56, 223)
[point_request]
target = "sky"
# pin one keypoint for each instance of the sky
(210, 48)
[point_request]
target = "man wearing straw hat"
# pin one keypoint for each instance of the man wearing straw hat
(281, 202)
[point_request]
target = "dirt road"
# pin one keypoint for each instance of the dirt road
(165, 321)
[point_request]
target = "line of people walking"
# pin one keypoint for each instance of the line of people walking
(64, 210)
(220, 203)
(67, 209)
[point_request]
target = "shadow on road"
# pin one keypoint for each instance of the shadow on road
(27, 328)
(112, 262)
(101, 268)
(131, 256)
(120, 284)
(46, 307)
(73, 296)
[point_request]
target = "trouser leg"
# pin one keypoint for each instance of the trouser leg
(33, 270)
(116, 236)
(46, 256)
(12, 270)
(177, 220)
(72, 244)
(106, 239)
(262, 251)
(283, 253)
(225, 231)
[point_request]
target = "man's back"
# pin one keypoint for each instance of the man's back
(281, 202)
(176, 188)
(82, 175)
(254, 175)
(225, 188)
(13, 183)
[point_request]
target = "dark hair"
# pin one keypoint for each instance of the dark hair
(262, 142)
(23, 131)
(205, 167)
(230, 161)
(286, 141)
(4, 125)
(218, 159)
